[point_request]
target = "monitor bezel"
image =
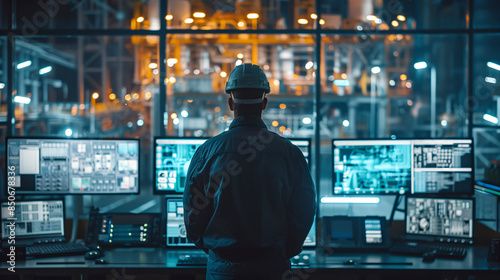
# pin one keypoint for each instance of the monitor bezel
(138, 140)
(155, 145)
(43, 236)
(409, 191)
(440, 238)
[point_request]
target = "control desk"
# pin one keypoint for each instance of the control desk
(154, 262)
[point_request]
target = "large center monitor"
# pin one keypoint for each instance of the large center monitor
(173, 156)
(171, 163)
(73, 166)
(402, 166)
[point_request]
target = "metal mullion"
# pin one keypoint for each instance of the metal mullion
(162, 53)
(10, 70)
(317, 106)
(470, 67)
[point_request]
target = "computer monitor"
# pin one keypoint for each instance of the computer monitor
(371, 167)
(304, 144)
(401, 166)
(443, 219)
(34, 220)
(171, 162)
(443, 166)
(73, 166)
(176, 235)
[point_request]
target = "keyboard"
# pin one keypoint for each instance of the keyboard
(192, 260)
(440, 250)
(55, 249)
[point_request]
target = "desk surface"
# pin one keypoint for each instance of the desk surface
(161, 260)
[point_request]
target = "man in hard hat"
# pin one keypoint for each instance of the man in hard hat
(249, 198)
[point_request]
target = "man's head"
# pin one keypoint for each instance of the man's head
(247, 86)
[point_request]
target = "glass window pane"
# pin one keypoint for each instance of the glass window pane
(486, 101)
(3, 15)
(88, 87)
(486, 14)
(393, 15)
(407, 86)
(197, 71)
(487, 154)
(3, 79)
(242, 15)
(33, 15)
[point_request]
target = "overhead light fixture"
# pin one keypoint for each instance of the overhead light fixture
(189, 20)
(140, 19)
(493, 65)
(376, 70)
(199, 15)
(490, 118)
(45, 70)
(321, 21)
(241, 24)
(309, 65)
(345, 123)
(401, 18)
(95, 95)
(252, 16)
(371, 17)
(22, 99)
(490, 80)
(68, 132)
(153, 65)
(306, 120)
(395, 23)
(24, 64)
(302, 21)
(420, 65)
(314, 16)
(169, 17)
(171, 62)
(350, 199)
(184, 113)
(2, 85)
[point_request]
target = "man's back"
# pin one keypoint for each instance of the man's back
(249, 180)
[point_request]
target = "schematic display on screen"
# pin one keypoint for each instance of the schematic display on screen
(401, 166)
(34, 219)
(441, 217)
(74, 166)
(172, 159)
(442, 166)
(176, 230)
(371, 167)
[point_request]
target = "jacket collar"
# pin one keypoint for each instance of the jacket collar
(247, 121)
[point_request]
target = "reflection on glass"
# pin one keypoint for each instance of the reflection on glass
(33, 15)
(486, 94)
(241, 15)
(197, 71)
(395, 85)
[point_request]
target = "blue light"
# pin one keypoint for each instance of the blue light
(341, 83)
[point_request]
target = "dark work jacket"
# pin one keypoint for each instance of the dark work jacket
(249, 192)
